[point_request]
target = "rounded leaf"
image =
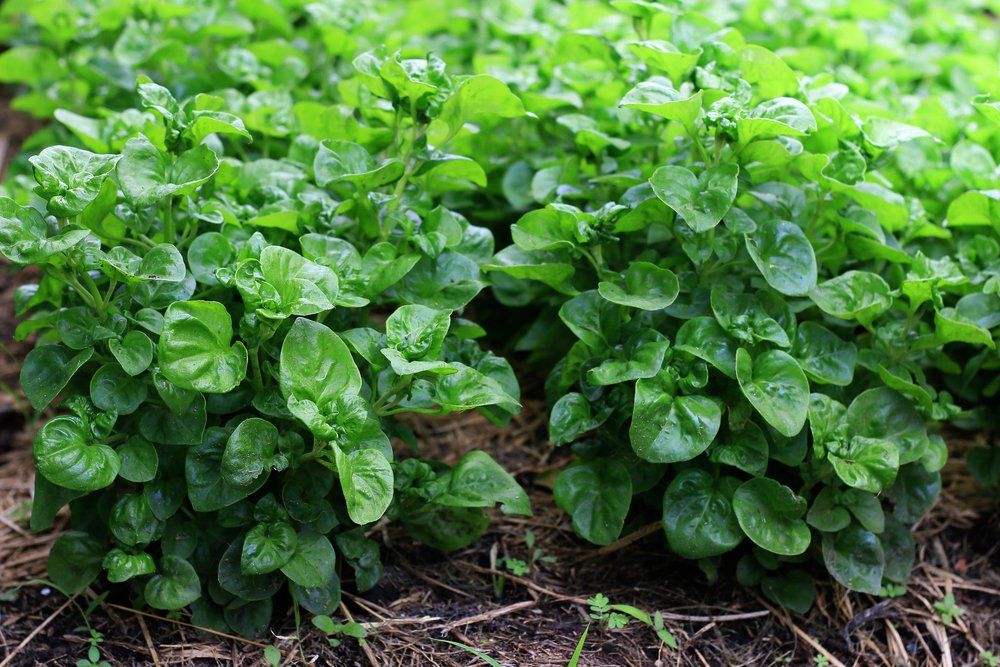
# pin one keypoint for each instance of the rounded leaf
(65, 455)
(855, 558)
(267, 546)
(784, 256)
(771, 515)
(698, 514)
(645, 286)
(776, 387)
(195, 350)
(175, 586)
(670, 429)
(597, 494)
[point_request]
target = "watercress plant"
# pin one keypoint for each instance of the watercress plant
(229, 337)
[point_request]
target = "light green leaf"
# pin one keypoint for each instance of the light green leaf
(195, 350)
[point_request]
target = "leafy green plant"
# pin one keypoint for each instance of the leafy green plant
(766, 316)
(947, 609)
(335, 631)
(229, 336)
(616, 617)
(754, 249)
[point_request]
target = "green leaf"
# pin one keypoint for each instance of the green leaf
(658, 97)
(366, 479)
(644, 360)
(148, 176)
(701, 200)
(66, 455)
(950, 327)
(776, 387)
(666, 57)
(134, 352)
(592, 319)
(915, 492)
(74, 561)
(547, 268)
(47, 500)
(122, 566)
(206, 488)
(175, 586)
(315, 369)
(313, 563)
(826, 514)
(899, 549)
(669, 429)
(548, 229)
(824, 356)
(206, 122)
(288, 284)
(477, 98)
(70, 178)
(884, 414)
(114, 390)
(746, 449)
(771, 515)
(973, 209)
(645, 286)
(698, 515)
(572, 417)
(597, 494)
(267, 547)
(322, 599)
(417, 332)
(338, 161)
(889, 133)
(47, 370)
(162, 262)
(245, 586)
(479, 481)
(856, 295)
(195, 350)
(779, 117)
(139, 460)
(767, 73)
(866, 463)
(25, 237)
(705, 338)
(249, 451)
(784, 256)
(249, 618)
(793, 590)
(855, 558)
(132, 520)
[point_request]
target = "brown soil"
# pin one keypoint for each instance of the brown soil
(426, 600)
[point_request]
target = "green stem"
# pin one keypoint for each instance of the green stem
(593, 262)
(411, 164)
(169, 232)
(255, 375)
(401, 386)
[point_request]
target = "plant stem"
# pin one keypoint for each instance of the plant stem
(168, 222)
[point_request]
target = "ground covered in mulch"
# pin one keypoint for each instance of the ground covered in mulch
(427, 600)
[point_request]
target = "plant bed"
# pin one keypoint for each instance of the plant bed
(314, 294)
(425, 598)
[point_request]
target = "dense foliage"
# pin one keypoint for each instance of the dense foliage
(233, 322)
(755, 247)
(778, 276)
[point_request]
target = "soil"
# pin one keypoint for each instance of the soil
(427, 603)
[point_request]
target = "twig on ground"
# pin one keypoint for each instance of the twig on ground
(185, 624)
(488, 615)
(34, 633)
